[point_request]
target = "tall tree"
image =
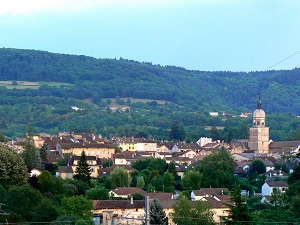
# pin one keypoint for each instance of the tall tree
(217, 169)
(28, 153)
(83, 170)
(43, 155)
(192, 180)
(12, 175)
(177, 132)
(157, 213)
(238, 210)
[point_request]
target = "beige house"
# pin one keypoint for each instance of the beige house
(125, 192)
(137, 144)
(111, 212)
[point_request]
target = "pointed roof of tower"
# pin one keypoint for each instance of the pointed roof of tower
(259, 102)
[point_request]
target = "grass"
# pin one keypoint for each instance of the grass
(28, 84)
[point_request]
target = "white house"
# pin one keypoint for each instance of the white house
(268, 187)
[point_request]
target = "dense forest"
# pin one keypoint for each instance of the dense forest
(166, 94)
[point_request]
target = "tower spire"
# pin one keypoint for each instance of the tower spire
(259, 102)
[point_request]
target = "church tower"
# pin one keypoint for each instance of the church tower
(259, 133)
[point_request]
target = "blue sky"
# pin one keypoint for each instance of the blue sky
(211, 35)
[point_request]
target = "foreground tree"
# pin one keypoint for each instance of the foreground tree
(192, 180)
(83, 170)
(192, 213)
(12, 175)
(157, 213)
(217, 170)
(79, 207)
(238, 210)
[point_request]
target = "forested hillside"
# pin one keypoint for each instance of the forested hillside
(66, 80)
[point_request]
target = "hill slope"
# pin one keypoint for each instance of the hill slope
(55, 82)
(109, 78)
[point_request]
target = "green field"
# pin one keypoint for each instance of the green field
(28, 84)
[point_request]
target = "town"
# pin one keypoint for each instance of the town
(120, 174)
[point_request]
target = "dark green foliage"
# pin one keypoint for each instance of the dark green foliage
(43, 155)
(177, 132)
(258, 167)
(21, 202)
(238, 210)
(83, 170)
(295, 175)
(29, 153)
(13, 170)
(192, 213)
(97, 193)
(192, 180)
(217, 170)
(45, 211)
(47, 109)
(78, 207)
(157, 213)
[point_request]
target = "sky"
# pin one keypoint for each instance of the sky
(206, 35)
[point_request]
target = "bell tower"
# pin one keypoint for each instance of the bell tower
(259, 133)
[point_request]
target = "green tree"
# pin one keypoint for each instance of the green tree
(28, 153)
(119, 177)
(21, 202)
(140, 182)
(45, 181)
(192, 180)
(192, 213)
(44, 156)
(217, 170)
(244, 131)
(177, 132)
(83, 170)
(79, 207)
(97, 193)
(37, 160)
(12, 175)
(214, 133)
(157, 213)
(45, 211)
(295, 175)
(238, 210)
(168, 182)
(257, 166)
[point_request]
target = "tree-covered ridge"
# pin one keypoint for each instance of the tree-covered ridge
(104, 78)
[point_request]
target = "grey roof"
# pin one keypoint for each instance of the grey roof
(277, 183)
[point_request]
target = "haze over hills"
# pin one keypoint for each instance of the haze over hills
(59, 81)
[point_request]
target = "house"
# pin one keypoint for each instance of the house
(109, 212)
(65, 172)
(272, 174)
(208, 192)
(268, 187)
(128, 157)
(217, 198)
(93, 162)
(125, 192)
(137, 144)
(35, 172)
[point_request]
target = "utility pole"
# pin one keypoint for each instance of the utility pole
(147, 211)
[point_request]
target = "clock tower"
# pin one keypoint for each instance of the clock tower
(259, 133)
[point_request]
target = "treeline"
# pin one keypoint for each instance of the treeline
(109, 78)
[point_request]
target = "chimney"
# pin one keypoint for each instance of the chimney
(131, 200)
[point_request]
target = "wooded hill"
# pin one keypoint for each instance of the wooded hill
(65, 80)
